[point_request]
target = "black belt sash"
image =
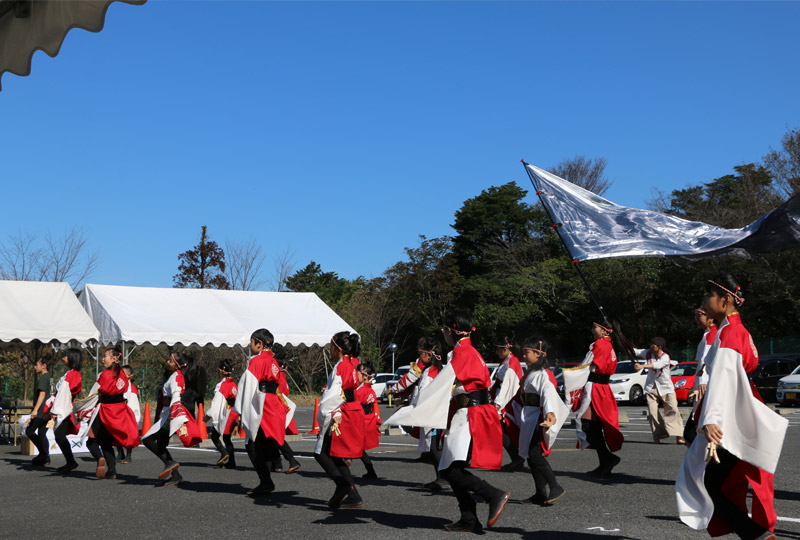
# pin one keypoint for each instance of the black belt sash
(108, 400)
(268, 387)
(367, 408)
(473, 399)
(349, 395)
(598, 378)
(532, 400)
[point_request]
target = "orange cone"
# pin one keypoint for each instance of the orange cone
(315, 425)
(202, 423)
(146, 422)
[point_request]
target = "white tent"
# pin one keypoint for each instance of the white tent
(45, 311)
(207, 316)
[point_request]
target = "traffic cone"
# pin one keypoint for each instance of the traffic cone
(146, 422)
(315, 425)
(202, 423)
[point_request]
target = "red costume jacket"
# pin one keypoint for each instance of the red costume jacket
(117, 417)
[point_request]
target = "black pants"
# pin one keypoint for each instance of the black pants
(367, 461)
(690, 430)
(103, 440)
(61, 433)
(436, 454)
(225, 448)
(540, 468)
(124, 453)
(724, 508)
(263, 451)
(37, 433)
(335, 467)
(509, 446)
(287, 452)
(158, 442)
(596, 438)
(464, 483)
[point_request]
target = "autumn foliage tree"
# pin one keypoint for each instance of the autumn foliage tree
(202, 267)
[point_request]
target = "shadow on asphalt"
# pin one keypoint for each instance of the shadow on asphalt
(561, 535)
(787, 495)
(616, 478)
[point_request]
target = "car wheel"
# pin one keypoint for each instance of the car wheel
(636, 395)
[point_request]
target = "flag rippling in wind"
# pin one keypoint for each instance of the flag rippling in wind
(595, 228)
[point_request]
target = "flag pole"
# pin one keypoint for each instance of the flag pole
(557, 227)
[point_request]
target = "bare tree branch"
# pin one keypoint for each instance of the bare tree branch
(244, 263)
(284, 267)
(585, 172)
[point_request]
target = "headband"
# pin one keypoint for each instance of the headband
(462, 332)
(609, 330)
(337, 345)
(539, 350)
(738, 300)
(432, 353)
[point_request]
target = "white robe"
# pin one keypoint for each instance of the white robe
(509, 384)
(132, 399)
(330, 401)
(218, 411)
(249, 405)
(62, 404)
(538, 382)
(173, 391)
(751, 431)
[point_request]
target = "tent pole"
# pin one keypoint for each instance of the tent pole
(557, 227)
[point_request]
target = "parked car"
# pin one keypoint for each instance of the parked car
(627, 384)
(788, 392)
(558, 371)
(379, 382)
(683, 380)
(772, 368)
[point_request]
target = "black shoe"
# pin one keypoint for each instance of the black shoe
(464, 526)
(40, 460)
(370, 476)
(612, 462)
(67, 467)
(436, 486)
(537, 498)
(424, 457)
(496, 506)
(555, 494)
(169, 468)
(173, 480)
(261, 490)
(338, 495)
(353, 500)
(513, 466)
(229, 465)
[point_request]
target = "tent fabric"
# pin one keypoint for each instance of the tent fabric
(46, 311)
(44, 28)
(208, 316)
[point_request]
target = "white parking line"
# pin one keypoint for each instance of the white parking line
(793, 520)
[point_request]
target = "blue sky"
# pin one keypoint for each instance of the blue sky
(343, 130)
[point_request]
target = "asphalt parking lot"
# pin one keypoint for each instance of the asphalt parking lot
(637, 502)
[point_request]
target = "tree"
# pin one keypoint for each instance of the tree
(202, 267)
(498, 214)
(331, 289)
(243, 267)
(27, 257)
(283, 267)
(585, 172)
(784, 164)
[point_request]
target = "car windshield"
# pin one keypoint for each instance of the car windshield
(796, 371)
(683, 370)
(383, 378)
(625, 367)
(556, 370)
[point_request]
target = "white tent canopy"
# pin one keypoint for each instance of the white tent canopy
(46, 311)
(208, 316)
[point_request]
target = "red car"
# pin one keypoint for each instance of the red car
(683, 381)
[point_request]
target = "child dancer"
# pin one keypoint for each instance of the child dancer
(263, 414)
(507, 378)
(365, 396)
(174, 418)
(220, 413)
(474, 436)
(67, 389)
(132, 399)
(291, 427)
(342, 419)
(37, 427)
(597, 422)
(430, 440)
(741, 437)
(542, 416)
(113, 423)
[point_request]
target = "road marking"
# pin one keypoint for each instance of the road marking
(602, 529)
(793, 520)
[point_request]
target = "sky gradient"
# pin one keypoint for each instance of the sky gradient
(343, 130)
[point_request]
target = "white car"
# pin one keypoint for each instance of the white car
(379, 382)
(627, 384)
(788, 392)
